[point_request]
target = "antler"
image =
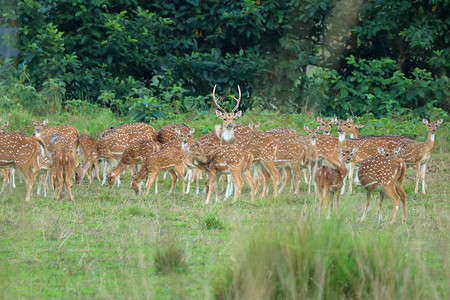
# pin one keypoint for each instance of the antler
(238, 101)
(215, 100)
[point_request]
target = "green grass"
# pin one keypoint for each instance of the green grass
(111, 243)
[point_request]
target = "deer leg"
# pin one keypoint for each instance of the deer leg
(179, 172)
(211, 182)
(367, 205)
(401, 192)
(390, 191)
(189, 175)
(236, 174)
(416, 189)
(273, 175)
(69, 186)
(150, 181)
(330, 207)
(174, 180)
(380, 205)
(229, 189)
(423, 169)
(105, 172)
(248, 178)
(287, 178)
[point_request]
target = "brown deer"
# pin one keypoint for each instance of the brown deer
(21, 152)
(8, 173)
(133, 154)
(331, 180)
(367, 145)
(170, 132)
(262, 145)
(68, 131)
(325, 126)
(88, 144)
(291, 155)
(149, 130)
(168, 159)
(109, 147)
(386, 174)
(419, 153)
(63, 165)
(227, 159)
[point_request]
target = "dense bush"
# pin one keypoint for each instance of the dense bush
(156, 58)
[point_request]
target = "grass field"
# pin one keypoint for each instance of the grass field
(111, 243)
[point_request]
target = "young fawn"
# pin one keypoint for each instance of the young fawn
(331, 180)
(384, 173)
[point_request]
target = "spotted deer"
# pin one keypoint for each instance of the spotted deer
(135, 153)
(88, 144)
(386, 174)
(332, 180)
(262, 145)
(168, 159)
(325, 126)
(226, 159)
(291, 155)
(419, 153)
(63, 159)
(149, 130)
(68, 131)
(8, 173)
(21, 152)
(109, 147)
(170, 132)
(367, 145)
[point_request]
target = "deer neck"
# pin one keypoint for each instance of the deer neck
(341, 140)
(430, 140)
(343, 169)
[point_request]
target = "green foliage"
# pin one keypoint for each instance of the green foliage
(99, 51)
(375, 87)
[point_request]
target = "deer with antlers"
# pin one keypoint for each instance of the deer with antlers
(328, 180)
(262, 145)
(386, 174)
(21, 152)
(419, 153)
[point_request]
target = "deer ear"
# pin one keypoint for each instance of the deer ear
(257, 124)
(360, 126)
(192, 131)
(439, 122)
(319, 119)
(354, 150)
(334, 120)
(34, 121)
(6, 124)
(45, 122)
(381, 150)
(350, 120)
(425, 121)
(219, 114)
(339, 149)
(238, 114)
(306, 128)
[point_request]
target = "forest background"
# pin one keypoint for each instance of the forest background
(146, 60)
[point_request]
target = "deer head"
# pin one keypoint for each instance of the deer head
(228, 118)
(432, 126)
(326, 125)
(38, 126)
